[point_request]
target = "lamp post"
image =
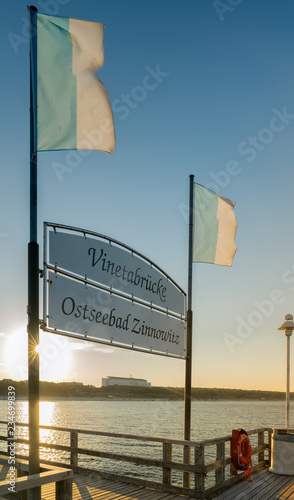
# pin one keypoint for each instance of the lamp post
(288, 327)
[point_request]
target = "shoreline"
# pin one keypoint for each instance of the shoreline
(104, 399)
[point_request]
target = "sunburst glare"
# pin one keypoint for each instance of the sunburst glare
(55, 358)
(16, 353)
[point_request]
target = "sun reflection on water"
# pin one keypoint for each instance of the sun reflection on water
(47, 413)
(49, 416)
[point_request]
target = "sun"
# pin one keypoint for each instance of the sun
(55, 357)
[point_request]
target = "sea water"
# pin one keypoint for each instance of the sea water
(209, 420)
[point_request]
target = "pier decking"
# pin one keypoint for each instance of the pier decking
(265, 486)
(93, 488)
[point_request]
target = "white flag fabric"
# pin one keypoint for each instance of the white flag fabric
(72, 105)
(214, 228)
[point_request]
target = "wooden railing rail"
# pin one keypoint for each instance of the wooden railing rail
(113, 434)
(204, 482)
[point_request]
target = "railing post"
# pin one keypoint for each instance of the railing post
(261, 441)
(220, 474)
(7, 439)
(22, 495)
(166, 457)
(269, 441)
(73, 444)
(199, 463)
(186, 460)
(63, 490)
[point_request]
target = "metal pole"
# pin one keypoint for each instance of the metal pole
(288, 382)
(288, 327)
(33, 283)
(188, 380)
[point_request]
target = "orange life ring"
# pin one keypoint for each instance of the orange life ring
(241, 452)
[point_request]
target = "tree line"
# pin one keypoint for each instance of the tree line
(72, 390)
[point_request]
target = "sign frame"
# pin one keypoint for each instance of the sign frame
(176, 317)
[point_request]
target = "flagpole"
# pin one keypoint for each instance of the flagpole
(188, 380)
(33, 282)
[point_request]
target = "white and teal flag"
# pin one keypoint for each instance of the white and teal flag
(72, 108)
(215, 228)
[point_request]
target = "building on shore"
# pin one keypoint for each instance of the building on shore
(134, 382)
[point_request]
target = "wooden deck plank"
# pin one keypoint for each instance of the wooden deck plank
(110, 495)
(92, 488)
(279, 486)
(265, 486)
(156, 495)
(285, 486)
(148, 494)
(87, 488)
(125, 489)
(125, 492)
(288, 493)
(113, 488)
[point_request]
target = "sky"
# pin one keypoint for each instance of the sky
(222, 110)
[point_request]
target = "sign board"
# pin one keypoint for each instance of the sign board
(99, 289)
(89, 311)
(115, 267)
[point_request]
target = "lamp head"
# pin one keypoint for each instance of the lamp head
(288, 325)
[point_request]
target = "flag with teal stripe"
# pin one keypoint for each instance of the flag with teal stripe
(214, 228)
(72, 107)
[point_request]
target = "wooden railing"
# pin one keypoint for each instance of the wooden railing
(211, 468)
(24, 482)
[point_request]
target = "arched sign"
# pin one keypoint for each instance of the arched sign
(99, 289)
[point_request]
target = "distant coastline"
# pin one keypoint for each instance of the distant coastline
(75, 391)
